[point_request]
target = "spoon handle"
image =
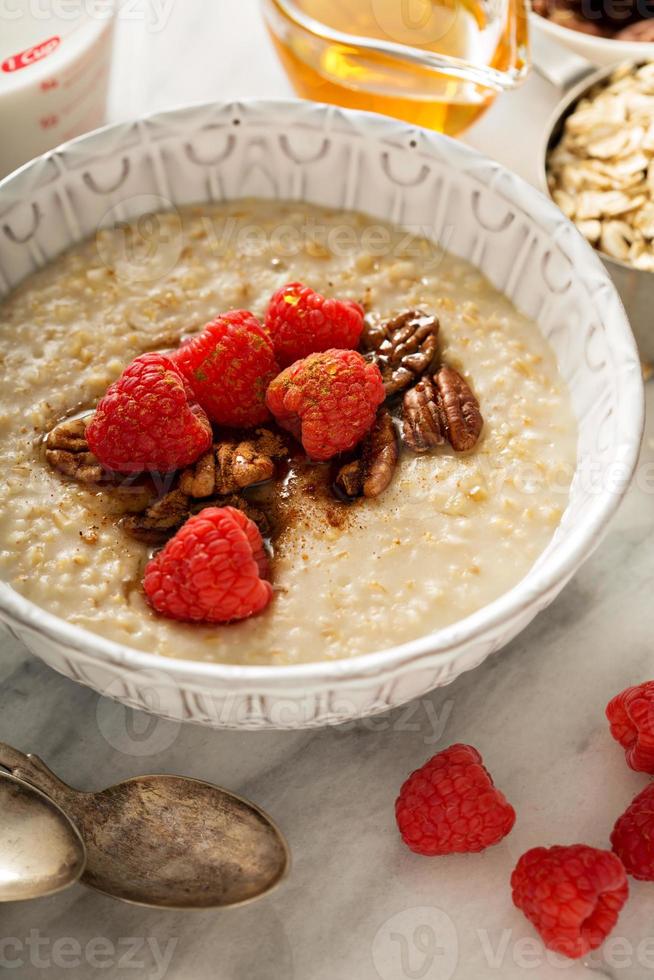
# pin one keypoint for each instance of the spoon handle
(33, 770)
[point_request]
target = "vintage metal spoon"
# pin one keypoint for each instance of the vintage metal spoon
(41, 852)
(166, 841)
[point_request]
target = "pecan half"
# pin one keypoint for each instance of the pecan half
(380, 452)
(642, 30)
(349, 478)
(160, 519)
(444, 408)
(371, 474)
(220, 473)
(459, 410)
(158, 522)
(241, 465)
(67, 450)
(404, 348)
(422, 428)
(231, 466)
(199, 480)
(269, 443)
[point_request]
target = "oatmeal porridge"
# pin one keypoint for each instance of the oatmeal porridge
(452, 532)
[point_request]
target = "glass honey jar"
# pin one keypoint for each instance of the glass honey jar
(435, 63)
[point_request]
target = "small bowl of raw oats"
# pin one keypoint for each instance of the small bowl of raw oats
(598, 167)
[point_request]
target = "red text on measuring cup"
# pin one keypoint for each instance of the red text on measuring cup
(31, 55)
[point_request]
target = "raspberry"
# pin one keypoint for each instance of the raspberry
(572, 895)
(211, 570)
(633, 836)
(229, 366)
(450, 805)
(631, 716)
(302, 322)
(328, 401)
(148, 420)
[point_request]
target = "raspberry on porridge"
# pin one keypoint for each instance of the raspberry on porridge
(385, 543)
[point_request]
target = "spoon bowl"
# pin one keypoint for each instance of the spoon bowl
(167, 841)
(179, 843)
(41, 852)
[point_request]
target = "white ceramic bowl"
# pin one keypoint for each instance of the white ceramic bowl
(337, 158)
(598, 51)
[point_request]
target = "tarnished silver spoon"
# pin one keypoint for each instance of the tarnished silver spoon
(41, 852)
(166, 841)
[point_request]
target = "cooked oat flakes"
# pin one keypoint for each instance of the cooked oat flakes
(451, 532)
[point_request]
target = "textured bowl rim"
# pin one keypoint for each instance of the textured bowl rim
(442, 644)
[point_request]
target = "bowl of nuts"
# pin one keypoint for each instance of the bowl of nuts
(598, 167)
(603, 33)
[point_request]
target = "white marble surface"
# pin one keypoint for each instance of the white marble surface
(358, 904)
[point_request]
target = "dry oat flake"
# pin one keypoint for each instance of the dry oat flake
(601, 173)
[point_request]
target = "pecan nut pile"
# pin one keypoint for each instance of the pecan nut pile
(67, 450)
(227, 468)
(437, 405)
(404, 348)
(623, 20)
(230, 465)
(371, 473)
(161, 519)
(439, 409)
(641, 30)
(221, 473)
